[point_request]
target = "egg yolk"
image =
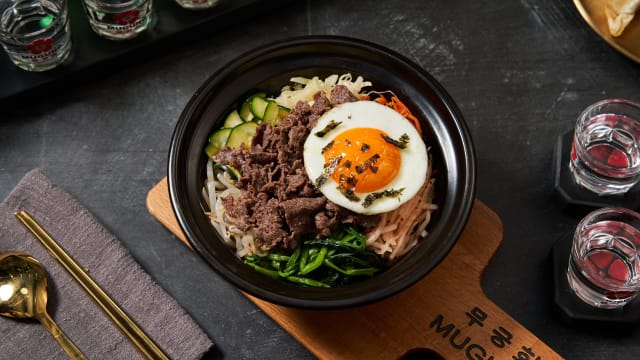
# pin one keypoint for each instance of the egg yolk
(367, 161)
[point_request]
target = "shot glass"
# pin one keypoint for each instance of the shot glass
(35, 34)
(197, 4)
(604, 269)
(605, 155)
(119, 19)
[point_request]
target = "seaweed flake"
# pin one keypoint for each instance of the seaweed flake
(368, 164)
(378, 195)
(347, 192)
(350, 180)
(401, 143)
(330, 126)
(327, 170)
(326, 147)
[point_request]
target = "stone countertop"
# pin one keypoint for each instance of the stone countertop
(520, 71)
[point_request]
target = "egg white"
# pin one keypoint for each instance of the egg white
(369, 114)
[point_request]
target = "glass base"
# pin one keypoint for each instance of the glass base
(40, 67)
(591, 182)
(590, 295)
(104, 29)
(572, 308)
(573, 195)
(197, 5)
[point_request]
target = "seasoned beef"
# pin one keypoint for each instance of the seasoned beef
(300, 215)
(341, 94)
(321, 104)
(270, 224)
(241, 209)
(279, 200)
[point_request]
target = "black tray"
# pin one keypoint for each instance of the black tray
(93, 53)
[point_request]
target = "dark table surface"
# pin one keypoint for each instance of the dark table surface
(520, 71)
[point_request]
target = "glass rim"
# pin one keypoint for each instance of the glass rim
(607, 210)
(59, 24)
(619, 101)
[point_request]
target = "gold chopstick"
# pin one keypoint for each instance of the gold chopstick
(124, 322)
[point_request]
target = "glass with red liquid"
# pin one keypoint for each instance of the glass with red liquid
(604, 268)
(605, 154)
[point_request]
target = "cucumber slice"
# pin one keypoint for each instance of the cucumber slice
(232, 120)
(271, 113)
(283, 111)
(241, 135)
(258, 106)
(216, 141)
(245, 110)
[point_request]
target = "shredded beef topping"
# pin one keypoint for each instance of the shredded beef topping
(341, 94)
(279, 200)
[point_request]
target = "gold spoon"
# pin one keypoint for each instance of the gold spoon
(23, 294)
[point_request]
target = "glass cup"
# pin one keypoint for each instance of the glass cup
(604, 269)
(119, 19)
(35, 34)
(197, 4)
(605, 155)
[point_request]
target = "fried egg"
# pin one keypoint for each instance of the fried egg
(365, 157)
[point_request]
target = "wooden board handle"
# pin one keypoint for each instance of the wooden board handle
(447, 311)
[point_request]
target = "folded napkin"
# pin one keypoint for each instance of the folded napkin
(109, 263)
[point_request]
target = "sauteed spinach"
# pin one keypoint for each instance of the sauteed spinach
(326, 262)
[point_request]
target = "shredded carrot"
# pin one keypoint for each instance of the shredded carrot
(401, 108)
(381, 100)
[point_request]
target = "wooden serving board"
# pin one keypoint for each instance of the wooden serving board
(446, 312)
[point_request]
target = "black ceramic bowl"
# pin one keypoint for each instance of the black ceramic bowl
(270, 67)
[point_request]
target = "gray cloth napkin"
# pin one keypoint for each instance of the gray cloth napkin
(109, 263)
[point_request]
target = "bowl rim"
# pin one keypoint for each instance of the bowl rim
(465, 197)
